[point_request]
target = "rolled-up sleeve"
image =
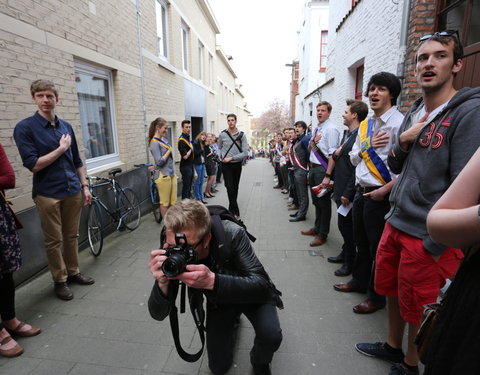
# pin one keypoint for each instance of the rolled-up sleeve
(26, 146)
(354, 157)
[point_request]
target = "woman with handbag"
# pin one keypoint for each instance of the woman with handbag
(210, 165)
(10, 261)
(455, 221)
(199, 165)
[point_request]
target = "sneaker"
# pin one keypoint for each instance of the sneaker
(398, 369)
(378, 350)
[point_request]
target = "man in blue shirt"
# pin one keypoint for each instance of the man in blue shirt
(48, 148)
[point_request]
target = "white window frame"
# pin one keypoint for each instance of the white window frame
(201, 57)
(161, 15)
(210, 70)
(184, 37)
(102, 161)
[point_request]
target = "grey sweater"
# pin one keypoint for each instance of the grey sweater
(228, 150)
(432, 162)
(167, 167)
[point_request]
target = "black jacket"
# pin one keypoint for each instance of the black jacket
(344, 172)
(239, 276)
(183, 148)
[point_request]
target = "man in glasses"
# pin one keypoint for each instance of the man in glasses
(230, 276)
(438, 136)
(48, 148)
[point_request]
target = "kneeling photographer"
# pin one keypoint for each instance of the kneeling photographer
(223, 268)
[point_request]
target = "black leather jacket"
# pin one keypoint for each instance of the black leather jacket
(239, 276)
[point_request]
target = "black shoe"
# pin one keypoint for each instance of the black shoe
(296, 218)
(293, 215)
(62, 291)
(344, 270)
(378, 350)
(337, 259)
(277, 187)
(80, 279)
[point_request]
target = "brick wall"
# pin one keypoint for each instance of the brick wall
(421, 22)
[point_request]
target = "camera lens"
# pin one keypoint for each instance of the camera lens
(174, 265)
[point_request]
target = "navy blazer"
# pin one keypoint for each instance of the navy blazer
(344, 172)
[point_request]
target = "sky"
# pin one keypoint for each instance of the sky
(261, 36)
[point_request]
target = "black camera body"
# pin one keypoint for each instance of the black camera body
(178, 256)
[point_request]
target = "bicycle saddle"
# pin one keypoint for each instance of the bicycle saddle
(114, 171)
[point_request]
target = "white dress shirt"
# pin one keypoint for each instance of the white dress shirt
(389, 122)
(329, 140)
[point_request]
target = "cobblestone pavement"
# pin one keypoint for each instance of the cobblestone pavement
(106, 328)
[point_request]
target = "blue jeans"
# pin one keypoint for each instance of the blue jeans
(198, 184)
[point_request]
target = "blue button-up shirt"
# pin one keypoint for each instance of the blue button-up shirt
(35, 137)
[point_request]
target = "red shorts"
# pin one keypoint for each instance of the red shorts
(404, 269)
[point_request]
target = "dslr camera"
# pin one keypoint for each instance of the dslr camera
(178, 256)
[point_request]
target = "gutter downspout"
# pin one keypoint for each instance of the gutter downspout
(403, 41)
(142, 75)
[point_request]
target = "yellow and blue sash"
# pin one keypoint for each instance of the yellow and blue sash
(184, 139)
(375, 165)
(161, 141)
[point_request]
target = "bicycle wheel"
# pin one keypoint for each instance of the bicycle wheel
(94, 228)
(156, 204)
(129, 208)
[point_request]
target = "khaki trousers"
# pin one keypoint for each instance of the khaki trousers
(60, 218)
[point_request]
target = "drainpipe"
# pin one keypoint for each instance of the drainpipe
(403, 40)
(142, 75)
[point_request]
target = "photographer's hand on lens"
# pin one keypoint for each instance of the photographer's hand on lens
(198, 276)
(155, 265)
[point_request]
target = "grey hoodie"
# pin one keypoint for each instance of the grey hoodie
(432, 162)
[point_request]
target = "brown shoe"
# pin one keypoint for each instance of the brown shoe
(62, 291)
(366, 307)
(80, 279)
(17, 331)
(318, 241)
(12, 352)
(310, 232)
(347, 288)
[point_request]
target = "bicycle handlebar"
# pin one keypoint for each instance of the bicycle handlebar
(143, 165)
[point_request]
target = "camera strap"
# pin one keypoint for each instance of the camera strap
(196, 307)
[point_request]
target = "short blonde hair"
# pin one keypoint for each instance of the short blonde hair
(188, 214)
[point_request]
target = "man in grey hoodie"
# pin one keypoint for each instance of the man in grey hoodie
(233, 147)
(436, 139)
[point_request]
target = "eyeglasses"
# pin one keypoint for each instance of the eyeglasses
(452, 33)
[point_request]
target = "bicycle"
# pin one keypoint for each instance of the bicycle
(126, 212)
(154, 194)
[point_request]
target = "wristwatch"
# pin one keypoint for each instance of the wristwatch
(84, 185)
(328, 175)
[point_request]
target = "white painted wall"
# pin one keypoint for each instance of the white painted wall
(315, 19)
(369, 35)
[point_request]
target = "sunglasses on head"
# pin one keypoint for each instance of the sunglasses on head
(453, 33)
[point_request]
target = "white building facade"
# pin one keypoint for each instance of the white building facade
(312, 57)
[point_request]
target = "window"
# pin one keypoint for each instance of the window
(95, 90)
(323, 50)
(210, 69)
(169, 134)
(184, 29)
(212, 127)
(359, 82)
(201, 50)
(464, 16)
(161, 15)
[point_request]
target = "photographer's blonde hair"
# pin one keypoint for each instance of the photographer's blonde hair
(188, 214)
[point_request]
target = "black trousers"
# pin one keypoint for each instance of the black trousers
(345, 226)
(231, 176)
(7, 296)
(187, 179)
(368, 223)
(220, 328)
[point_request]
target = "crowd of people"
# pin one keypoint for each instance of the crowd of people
(384, 174)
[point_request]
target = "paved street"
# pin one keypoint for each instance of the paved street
(106, 329)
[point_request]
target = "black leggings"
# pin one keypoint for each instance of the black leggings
(7, 296)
